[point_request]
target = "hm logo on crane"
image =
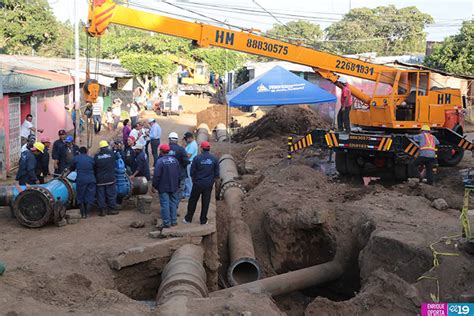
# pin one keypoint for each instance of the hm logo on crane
(227, 36)
(444, 98)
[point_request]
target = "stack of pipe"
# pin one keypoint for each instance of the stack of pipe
(243, 266)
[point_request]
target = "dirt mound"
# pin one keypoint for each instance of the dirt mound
(195, 104)
(284, 120)
(215, 114)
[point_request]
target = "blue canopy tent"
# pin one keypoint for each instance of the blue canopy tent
(277, 86)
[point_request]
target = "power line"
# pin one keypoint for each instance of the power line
(285, 12)
(306, 18)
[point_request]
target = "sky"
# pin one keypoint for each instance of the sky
(448, 14)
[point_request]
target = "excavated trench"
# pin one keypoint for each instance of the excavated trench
(141, 281)
(284, 241)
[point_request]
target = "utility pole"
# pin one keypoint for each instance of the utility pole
(77, 92)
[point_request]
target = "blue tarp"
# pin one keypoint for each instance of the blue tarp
(278, 86)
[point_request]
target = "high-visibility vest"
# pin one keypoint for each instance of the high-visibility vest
(429, 142)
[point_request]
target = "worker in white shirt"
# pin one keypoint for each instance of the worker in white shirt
(97, 113)
(116, 111)
(27, 128)
(134, 112)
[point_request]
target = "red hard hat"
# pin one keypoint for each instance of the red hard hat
(165, 148)
(205, 145)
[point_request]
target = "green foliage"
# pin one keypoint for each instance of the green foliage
(400, 31)
(124, 40)
(219, 60)
(305, 31)
(456, 53)
(27, 26)
(147, 65)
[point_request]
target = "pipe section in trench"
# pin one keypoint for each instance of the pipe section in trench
(202, 133)
(183, 276)
(290, 281)
(221, 132)
(243, 266)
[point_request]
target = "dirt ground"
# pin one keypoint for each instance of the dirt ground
(299, 217)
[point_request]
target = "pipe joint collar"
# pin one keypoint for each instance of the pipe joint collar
(230, 184)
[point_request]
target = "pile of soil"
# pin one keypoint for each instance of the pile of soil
(215, 114)
(284, 120)
(195, 104)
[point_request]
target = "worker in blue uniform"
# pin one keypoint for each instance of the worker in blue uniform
(67, 154)
(182, 156)
(27, 170)
(83, 164)
(106, 189)
(142, 164)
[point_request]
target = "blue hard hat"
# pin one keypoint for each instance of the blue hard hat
(69, 139)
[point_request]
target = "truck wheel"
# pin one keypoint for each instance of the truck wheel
(352, 165)
(451, 159)
(400, 171)
(341, 165)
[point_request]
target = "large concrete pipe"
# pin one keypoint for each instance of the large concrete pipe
(184, 275)
(291, 281)
(227, 169)
(243, 266)
(221, 132)
(33, 205)
(202, 133)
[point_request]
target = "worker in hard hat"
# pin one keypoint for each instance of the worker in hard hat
(42, 160)
(182, 156)
(166, 183)
(67, 154)
(83, 164)
(343, 119)
(427, 143)
(104, 162)
(142, 164)
(27, 170)
(204, 171)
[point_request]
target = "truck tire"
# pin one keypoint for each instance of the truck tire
(341, 165)
(353, 167)
(451, 160)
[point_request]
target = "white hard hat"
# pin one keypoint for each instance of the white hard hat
(173, 135)
(150, 120)
(342, 80)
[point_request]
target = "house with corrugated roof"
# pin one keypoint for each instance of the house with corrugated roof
(43, 87)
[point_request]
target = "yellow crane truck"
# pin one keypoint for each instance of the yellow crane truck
(381, 138)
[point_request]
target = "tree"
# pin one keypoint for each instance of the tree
(146, 66)
(456, 53)
(219, 60)
(304, 31)
(26, 26)
(124, 40)
(385, 30)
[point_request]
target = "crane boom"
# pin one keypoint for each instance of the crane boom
(402, 100)
(245, 41)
